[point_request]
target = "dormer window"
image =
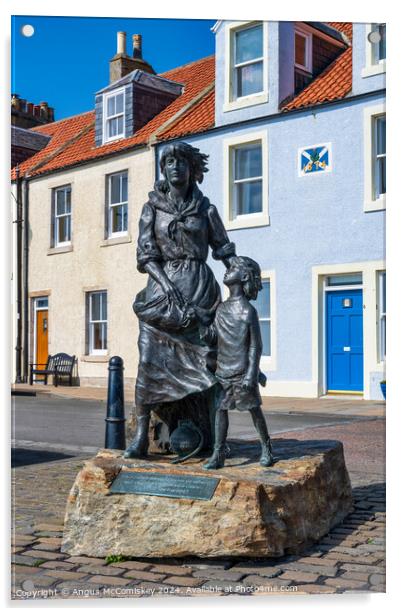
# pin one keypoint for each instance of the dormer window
(246, 75)
(376, 50)
(380, 48)
(114, 115)
(248, 61)
(303, 50)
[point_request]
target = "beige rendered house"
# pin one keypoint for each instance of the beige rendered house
(79, 200)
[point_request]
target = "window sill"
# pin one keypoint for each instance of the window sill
(247, 101)
(60, 249)
(374, 69)
(95, 358)
(375, 206)
(119, 239)
(247, 222)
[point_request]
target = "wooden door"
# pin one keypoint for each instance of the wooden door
(42, 350)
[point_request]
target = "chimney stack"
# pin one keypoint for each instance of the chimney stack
(137, 46)
(121, 43)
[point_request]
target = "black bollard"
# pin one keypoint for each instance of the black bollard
(115, 437)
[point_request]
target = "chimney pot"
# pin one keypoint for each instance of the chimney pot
(121, 43)
(137, 46)
(30, 108)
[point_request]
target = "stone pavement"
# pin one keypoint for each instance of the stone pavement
(351, 558)
(340, 405)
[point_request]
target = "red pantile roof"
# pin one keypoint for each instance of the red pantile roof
(334, 83)
(73, 139)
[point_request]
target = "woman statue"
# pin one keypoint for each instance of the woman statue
(177, 226)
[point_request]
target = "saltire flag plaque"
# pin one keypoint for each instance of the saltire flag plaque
(315, 159)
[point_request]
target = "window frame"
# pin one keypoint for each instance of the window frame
(110, 206)
(243, 221)
(373, 66)
(308, 67)
(268, 362)
(90, 322)
(381, 316)
(56, 217)
(232, 101)
(371, 202)
(106, 118)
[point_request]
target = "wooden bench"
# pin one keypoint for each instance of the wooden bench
(59, 366)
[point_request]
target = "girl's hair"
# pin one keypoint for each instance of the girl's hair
(195, 158)
(253, 283)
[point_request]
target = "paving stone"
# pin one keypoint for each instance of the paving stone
(18, 537)
(356, 575)
(131, 564)
(324, 562)
(46, 546)
(57, 564)
(145, 575)
(369, 559)
(268, 572)
(51, 527)
(86, 560)
(23, 542)
(66, 575)
(49, 533)
(209, 563)
(364, 568)
(23, 560)
(172, 570)
(377, 589)
(26, 570)
(343, 583)
(48, 540)
(41, 581)
(230, 575)
(300, 566)
(44, 554)
(312, 589)
(107, 580)
(179, 580)
(299, 576)
(101, 570)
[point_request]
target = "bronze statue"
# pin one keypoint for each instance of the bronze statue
(177, 227)
(236, 330)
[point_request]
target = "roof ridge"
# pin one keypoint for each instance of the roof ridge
(176, 68)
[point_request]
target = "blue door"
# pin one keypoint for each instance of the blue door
(344, 310)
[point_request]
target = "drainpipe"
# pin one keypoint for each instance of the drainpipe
(18, 222)
(25, 196)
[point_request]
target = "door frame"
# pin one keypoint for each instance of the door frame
(36, 309)
(369, 271)
(328, 289)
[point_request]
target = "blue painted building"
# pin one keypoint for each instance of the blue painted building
(297, 171)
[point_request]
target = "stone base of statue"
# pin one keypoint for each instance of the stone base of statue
(152, 508)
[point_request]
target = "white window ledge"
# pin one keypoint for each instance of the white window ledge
(118, 239)
(246, 101)
(60, 249)
(96, 358)
(248, 221)
(374, 69)
(375, 206)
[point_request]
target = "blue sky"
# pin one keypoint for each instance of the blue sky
(67, 59)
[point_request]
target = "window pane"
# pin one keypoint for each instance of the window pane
(120, 125)
(124, 187)
(383, 293)
(381, 177)
(380, 135)
(125, 218)
(249, 79)
(382, 52)
(63, 229)
(249, 197)
(248, 162)
(103, 306)
(112, 127)
(300, 49)
(60, 202)
(95, 307)
(119, 103)
(111, 106)
(263, 302)
(114, 188)
(68, 200)
(383, 338)
(344, 279)
(117, 219)
(99, 336)
(266, 337)
(248, 44)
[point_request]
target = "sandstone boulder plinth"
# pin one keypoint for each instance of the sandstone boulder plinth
(253, 512)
